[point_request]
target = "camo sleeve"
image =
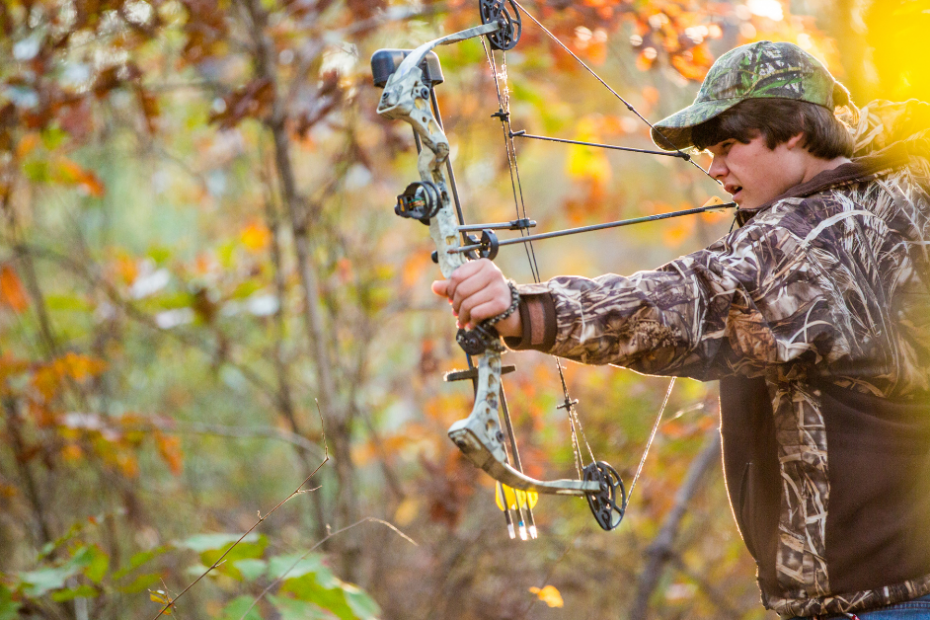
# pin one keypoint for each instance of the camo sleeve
(754, 299)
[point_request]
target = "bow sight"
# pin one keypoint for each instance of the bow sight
(420, 201)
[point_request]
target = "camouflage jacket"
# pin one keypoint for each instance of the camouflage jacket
(815, 316)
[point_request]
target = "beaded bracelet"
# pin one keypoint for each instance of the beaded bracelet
(514, 304)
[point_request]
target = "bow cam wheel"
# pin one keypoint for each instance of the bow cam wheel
(604, 503)
(504, 12)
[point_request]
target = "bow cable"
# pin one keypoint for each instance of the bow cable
(628, 105)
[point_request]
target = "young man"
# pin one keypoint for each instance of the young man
(814, 315)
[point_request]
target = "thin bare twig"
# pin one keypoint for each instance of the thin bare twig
(281, 577)
(261, 519)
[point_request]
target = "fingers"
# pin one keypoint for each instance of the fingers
(478, 291)
(482, 305)
(440, 287)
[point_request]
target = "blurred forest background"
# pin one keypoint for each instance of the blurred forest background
(200, 273)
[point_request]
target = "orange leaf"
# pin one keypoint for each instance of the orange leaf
(676, 235)
(72, 452)
(256, 237)
(651, 95)
(11, 290)
(9, 367)
(128, 465)
(91, 185)
(27, 144)
(46, 381)
(645, 59)
(549, 595)
(127, 268)
(71, 173)
(78, 366)
(169, 447)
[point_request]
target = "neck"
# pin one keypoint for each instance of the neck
(817, 165)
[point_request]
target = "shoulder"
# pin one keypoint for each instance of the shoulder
(884, 123)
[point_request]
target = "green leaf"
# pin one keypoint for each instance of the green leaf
(9, 609)
(291, 609)
(51, 546)
(52, 137)
(37, 171)
(83, 560)
(138, 560)
(159, 253)
(99, 564)
(226, 253)
(361, 604)
(84, 591)
(40, 582)
(67, 302)
(310, 580)
(212, 547)
(251, 569)
(294, 566)
(219, 542)
(140, 583)
(245, 289)
(236, 607)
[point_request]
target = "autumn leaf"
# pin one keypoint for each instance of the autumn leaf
(549, 595)
(127, 268)
(646, 58)
(72, 452)
(676, 234)
(169, 448)
(586, 162)
(79, 367)
(688, 69)
(407, 511)
(27, 144)
(71, 173)
(11, 290)
(254, 100)
(255, 237)
(148, 103)
(162, 598)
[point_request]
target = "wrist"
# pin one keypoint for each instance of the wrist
(509, 320)
(511, 327)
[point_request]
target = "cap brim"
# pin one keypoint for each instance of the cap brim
(674, 132)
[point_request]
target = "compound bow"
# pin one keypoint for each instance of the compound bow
(408, 78)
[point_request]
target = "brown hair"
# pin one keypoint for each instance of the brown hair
(777, 120)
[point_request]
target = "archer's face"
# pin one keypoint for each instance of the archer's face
(753, 173)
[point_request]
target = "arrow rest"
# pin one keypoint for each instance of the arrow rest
(489, 244)
(478, 340)
(604, 503)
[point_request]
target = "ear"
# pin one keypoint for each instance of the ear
(795, 140)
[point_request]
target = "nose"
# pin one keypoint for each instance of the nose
(718, 168)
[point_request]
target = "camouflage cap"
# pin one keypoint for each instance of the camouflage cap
(758, 70)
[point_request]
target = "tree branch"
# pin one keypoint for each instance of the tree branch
(662, 548)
